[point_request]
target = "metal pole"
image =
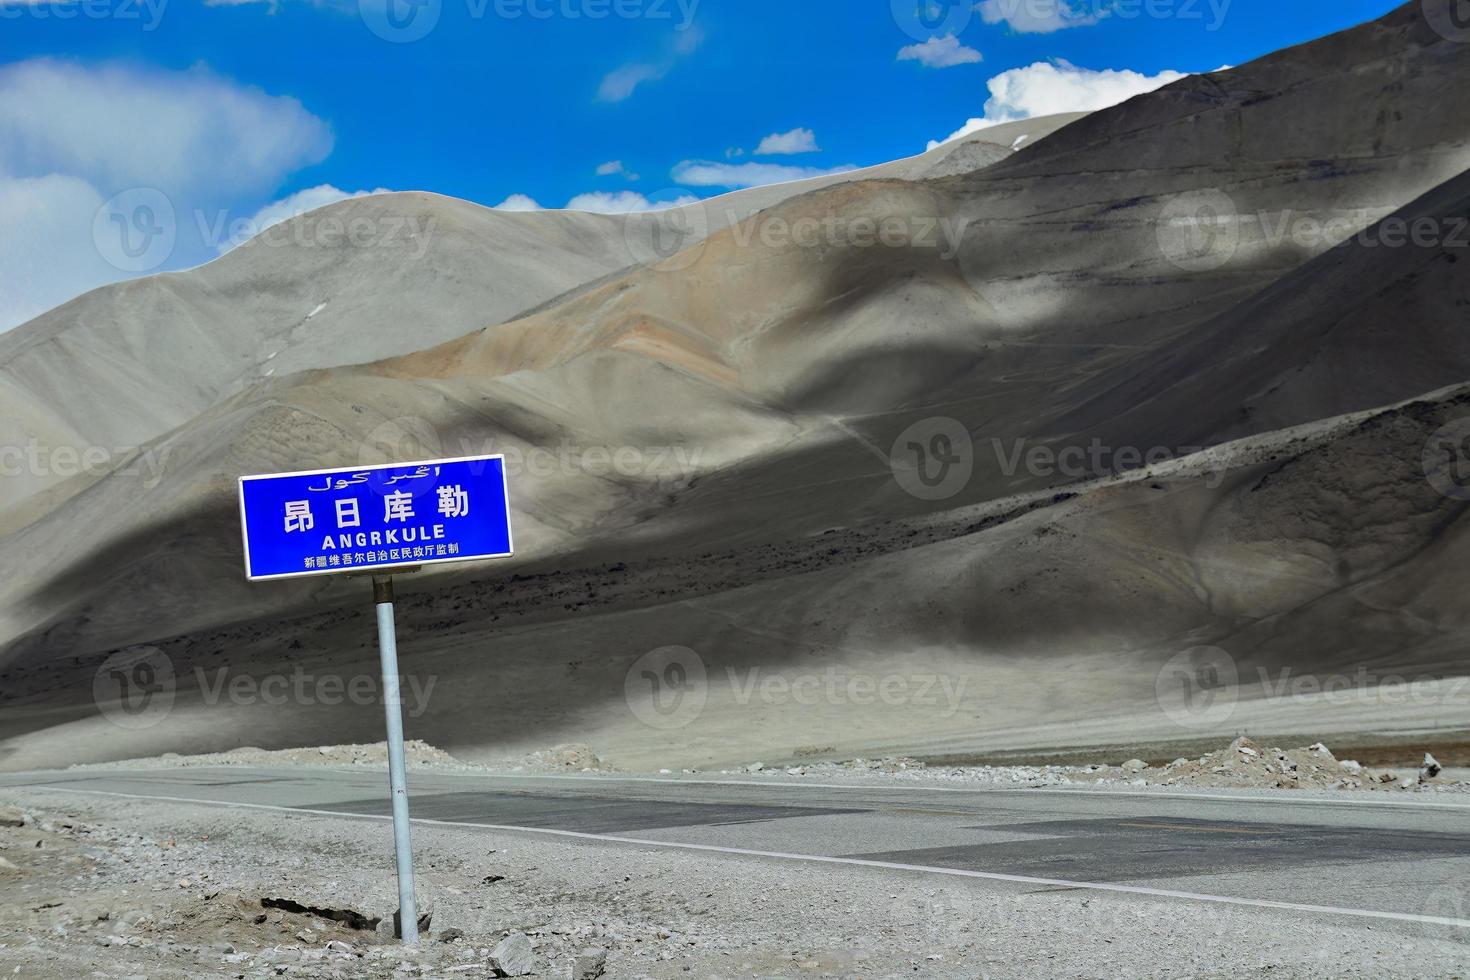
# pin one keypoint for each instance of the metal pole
(397, 780)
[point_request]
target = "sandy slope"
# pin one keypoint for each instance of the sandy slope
(1356, 327)
(1237, 549)
(349, 283)
(785, 541)
(751, 347)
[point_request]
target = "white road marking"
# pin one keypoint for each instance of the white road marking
(812, 859)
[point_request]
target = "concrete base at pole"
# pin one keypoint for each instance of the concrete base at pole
(397, 774)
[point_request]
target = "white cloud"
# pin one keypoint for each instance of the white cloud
(687, 39)
(518, 202)
(601, 202)
(1043, 89)
(621, 83)
(182, 132)
(623, 202)
(46, 251)
(73, 136)
(615, 168)
(289, 207)
(704, 173)
(796, 141)
(940, 52)
(1038, 16)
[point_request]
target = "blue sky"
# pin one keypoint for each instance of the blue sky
(244, 111)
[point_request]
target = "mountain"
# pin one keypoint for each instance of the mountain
(1364, 324)
(126, 363)
(1145, 280)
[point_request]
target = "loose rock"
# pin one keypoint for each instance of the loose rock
(572, 755)
(512, 957)
(590, 964)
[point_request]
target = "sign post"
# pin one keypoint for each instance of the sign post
(408, 915)
(377, 520)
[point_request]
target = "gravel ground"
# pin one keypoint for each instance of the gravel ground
(122, 888)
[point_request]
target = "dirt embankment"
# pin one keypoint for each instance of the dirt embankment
(1243, 764)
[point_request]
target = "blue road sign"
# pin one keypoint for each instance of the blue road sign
(372, 518)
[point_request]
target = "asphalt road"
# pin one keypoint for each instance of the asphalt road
(1389, 860)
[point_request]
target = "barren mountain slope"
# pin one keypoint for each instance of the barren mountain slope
(788, 369)
(848, 339)
(995, 626)
(1072, 270)
(145, 548)
(1381, 316)
(352, 282)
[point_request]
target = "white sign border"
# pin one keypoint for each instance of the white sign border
(375, 569)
